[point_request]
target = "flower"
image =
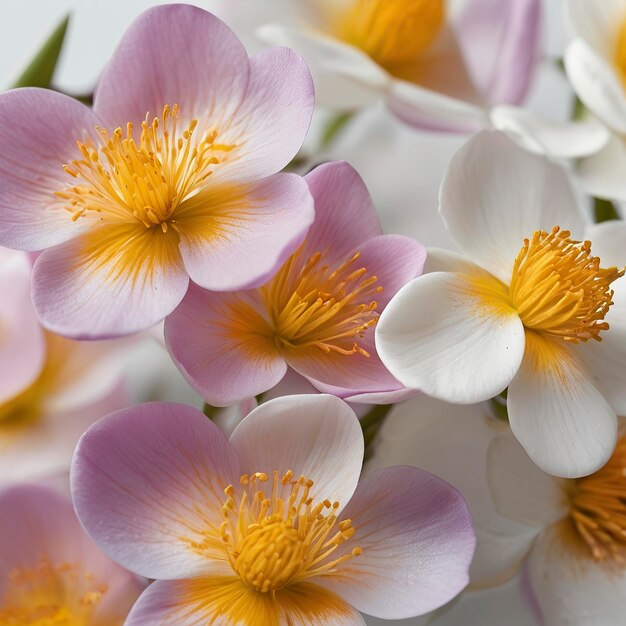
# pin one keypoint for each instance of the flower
(169, 178)
(316, 315)
(527, 308)
(270, 526)
(53, 388)
(595, 61)
(566, 536)
(50, 571)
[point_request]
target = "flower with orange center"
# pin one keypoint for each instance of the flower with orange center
(272, 526)
(170, 179)
(316, 315)
(530, 307)
(51, 574)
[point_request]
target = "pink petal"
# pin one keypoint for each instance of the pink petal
(218, 343)
(22, 345)
(317, 436)
(417, 540)
(206, 77)
(260, 224)
(38, 138)
(501, 43)
(113, 281)
(147, 484)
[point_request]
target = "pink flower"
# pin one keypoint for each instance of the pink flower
(172, 175)
(316, 315)
(271, 526)
(50, 571)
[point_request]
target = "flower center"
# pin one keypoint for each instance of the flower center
(312, 304)
(50, 596)
(279, 537)
(559, 289)
(145, 181)
(392, 32)
(598, 508)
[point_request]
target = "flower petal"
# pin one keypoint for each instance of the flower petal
(601, 174)
(22, 345)
(564, 423)
(115, 280)
(223, 346)
(596, 84)
(494, 195)
(417, 539)
(247, 234)
(147, 484)
(452, 336)
(567, 140)
(225, 601)
(39, 139)
(572, 589)
(597, 22)
(317, 436)
(501, 45)
(207, 77)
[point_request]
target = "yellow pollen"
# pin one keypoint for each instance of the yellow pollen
(392, 32)
(48, 595)
(598, 508)
(314, 304)
(559, 289)
(278, 537)
(123, 180)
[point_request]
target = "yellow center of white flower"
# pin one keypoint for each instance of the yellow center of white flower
(279, 537)
(316, 304)
(49, 595)
(598, 508)
(145, 181)
(559, 289)
(392, 32)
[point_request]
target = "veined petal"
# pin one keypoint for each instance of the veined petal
(207, 77)
(489, 218)
(317, 436)
(417, 539)
(226, 601)
(223, 345)
(247, 232)
(38, 139)
(147, 484)
(597, 22)
(453, 336)
(556, 412)
(114, 280)
(601, 174)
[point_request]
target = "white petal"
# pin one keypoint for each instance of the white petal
(564, 423)
(565, 140)
(572, 589)
(344, 76)
(495, 195)
(449, 336)
(597, 21)
(597, 84)
(602, 174)
(317, 436)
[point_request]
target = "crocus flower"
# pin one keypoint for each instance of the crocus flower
(50, 571)
(171, 176)
(316, 315)
(527, 307)
(271, 526)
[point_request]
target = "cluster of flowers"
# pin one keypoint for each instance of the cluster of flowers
(177, 199)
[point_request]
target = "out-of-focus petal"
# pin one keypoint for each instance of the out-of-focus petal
(597, 22)
(602, 174)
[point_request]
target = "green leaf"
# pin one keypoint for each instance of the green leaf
(41, 69)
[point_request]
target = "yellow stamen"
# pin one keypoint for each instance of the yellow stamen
(48, 595)
(392, 32)
(146, 181)
(598, 508)
(559, 289)
(313, 304)
(276, 537)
